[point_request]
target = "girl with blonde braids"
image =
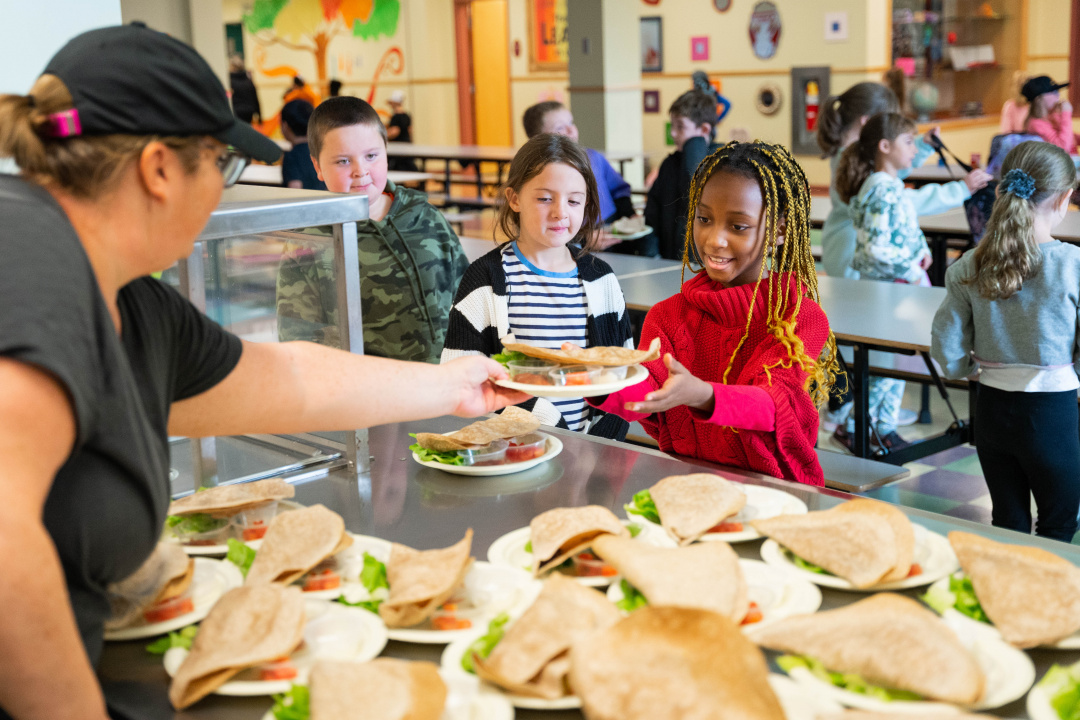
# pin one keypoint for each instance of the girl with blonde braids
(747, 351)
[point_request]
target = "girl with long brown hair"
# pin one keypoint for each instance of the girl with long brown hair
(1012, 313)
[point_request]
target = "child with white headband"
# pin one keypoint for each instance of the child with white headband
(1011, 312)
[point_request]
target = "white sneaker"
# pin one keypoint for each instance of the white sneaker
(906, 417)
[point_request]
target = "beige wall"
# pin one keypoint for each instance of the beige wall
(528, 87)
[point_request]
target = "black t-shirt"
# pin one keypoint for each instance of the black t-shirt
(296, 165)
(107, 505)
(403, 121)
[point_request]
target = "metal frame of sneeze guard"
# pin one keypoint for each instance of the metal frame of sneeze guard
(249, 210)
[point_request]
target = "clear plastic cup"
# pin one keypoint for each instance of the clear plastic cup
(532, 371)
(588, 565)
(202, 529)
(493, 454)
(324, 576)
(526, 447)
(253, 522)
(567, 375)
(170, 609)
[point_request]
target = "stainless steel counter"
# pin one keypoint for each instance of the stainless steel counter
(401, 501)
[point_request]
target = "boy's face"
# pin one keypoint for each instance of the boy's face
(683, 128)
(561, 122)
(353, 160)
(729, 229)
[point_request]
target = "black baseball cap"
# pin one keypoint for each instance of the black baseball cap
(1040, 85)
(132, 80)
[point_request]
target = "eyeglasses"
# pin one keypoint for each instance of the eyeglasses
(231, 162)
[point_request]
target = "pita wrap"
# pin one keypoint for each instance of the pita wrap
(868, 715)
(561, 533)
(231, 499)
(296, 542)
(890, 640)
(691, 505)
(247, 627)
(855, 540)
(705, 576)
(383, 689)
(531, 658)
(1007, 577)
(664, 663)
(422, 580)
(613, 356)
(166, 574)
(511, 422)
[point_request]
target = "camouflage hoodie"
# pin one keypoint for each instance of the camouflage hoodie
(410, 265)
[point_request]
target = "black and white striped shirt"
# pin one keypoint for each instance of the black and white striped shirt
(547, 309)
(481, 316)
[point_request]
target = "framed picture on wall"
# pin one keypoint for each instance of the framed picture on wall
(549, 43)
(652, 44)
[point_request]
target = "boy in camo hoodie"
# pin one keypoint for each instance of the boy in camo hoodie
(410, 259)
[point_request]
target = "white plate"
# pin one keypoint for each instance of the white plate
(554, 447)
(351, 560)
(494, 589)
(221, 550)
(799, 703)
(1039, 707)
(761, 503)
(333, 632)
(467, 699)
(610, 232)
(451, 665)
(1009, 674)
(634, 375)
(777, 594)
(956, 617)
(509, 550)
(932, 552)
(211, 580)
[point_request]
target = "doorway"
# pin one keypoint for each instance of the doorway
(483, 64)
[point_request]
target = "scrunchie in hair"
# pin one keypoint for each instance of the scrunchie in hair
(1019, 183)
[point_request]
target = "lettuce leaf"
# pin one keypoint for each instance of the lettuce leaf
(644, 506)
(966, 602)
(939, 598)
(632, 598)
(806, 564)
(634, 529)
(192, 524)
(851, 682)
(1062, 686)
(240, 555)
(425, 455)
(484, 644)
(293, 705)
(373, 578)
(181, 638)
(506, 357)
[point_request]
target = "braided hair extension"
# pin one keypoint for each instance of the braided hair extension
(785, 194)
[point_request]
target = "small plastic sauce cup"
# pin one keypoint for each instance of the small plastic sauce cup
(216, 536)
(526, 447)
(588, 565)
(532, 371)
(493, 454)
(254, 521)
(577, 375)
(170, 609)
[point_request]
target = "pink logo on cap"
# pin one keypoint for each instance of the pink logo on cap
(65, 124)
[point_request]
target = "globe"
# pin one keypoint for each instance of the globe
(924, 99)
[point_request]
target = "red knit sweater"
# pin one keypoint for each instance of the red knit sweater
(700, 327)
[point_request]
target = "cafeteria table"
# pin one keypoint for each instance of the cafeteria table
(401, 501)
(934, 172)
(890, 317)
(271, 175)
(624, 266)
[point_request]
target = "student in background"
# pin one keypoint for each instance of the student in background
(245, 98)
(692, 115)
(1050, 116)
(399, 129)
(1011, 313)
(895, 79)
(297, 170)
(410, 259)
(1014, 112)
(890, 245)
(335, 88)
(545, 286)
(747, 350)
(701, 82)
(612, 190)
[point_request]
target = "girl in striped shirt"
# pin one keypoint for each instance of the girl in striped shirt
(544, 286)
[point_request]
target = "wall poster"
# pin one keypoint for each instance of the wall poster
(765, 30)
(652, 44)
(549, 41)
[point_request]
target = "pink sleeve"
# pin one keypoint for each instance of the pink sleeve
(615, 403)
(746, 407)
(1056, 128)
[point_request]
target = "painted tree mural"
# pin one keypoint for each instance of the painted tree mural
(310, 25)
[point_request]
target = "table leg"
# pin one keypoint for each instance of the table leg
(860, 388)
(622, 168)
(924, 407)
(446, 182)
(479, 180)
(939, 251)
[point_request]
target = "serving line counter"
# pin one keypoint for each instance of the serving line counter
(401, 501)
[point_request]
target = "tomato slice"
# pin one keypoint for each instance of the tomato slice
(255, 531)
(450, 622)
(916, 569)
(727, 527)
(323, 580)
(577, 378)
(753, 615)
(278, 670)
(169, 610)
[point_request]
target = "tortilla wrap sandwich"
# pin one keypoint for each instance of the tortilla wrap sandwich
(603, 356)
(164, 576)
(422, 580)
(511, 422)
(300, 542)
(381, 689)
(691, 505)
(559, 534)
(230, 499)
